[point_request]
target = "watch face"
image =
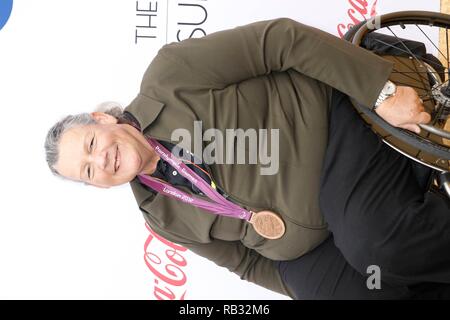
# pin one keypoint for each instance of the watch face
(389, 89)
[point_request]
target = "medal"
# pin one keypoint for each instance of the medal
(268, 224)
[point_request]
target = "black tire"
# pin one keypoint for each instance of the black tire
(356, 34)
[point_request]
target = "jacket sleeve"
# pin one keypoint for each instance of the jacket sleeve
(231, 56)
(248, 264)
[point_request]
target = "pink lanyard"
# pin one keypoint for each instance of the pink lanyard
(266, 223)
(220, 205)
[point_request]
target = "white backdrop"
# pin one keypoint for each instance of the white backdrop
(62, 240)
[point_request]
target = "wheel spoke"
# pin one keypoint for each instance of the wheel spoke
(408, 50)
(448, 62)
(409, 67)
(413, 55)
(418, 153)
(404, 51)
(407, 76)
(445, 57)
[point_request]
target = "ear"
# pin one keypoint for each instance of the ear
(103, 118)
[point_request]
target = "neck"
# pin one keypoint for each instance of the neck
(149, 155)
(151, 165)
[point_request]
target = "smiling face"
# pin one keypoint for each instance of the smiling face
(105, 154)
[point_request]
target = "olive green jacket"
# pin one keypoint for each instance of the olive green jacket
(274, 74)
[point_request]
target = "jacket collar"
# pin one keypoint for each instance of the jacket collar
(145, 110)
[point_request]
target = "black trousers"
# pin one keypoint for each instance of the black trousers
(380, 214)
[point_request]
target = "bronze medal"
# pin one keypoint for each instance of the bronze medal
(268, 224)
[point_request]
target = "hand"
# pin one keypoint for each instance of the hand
(404, 110)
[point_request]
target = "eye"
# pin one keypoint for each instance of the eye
(91, 145)
(90, 150)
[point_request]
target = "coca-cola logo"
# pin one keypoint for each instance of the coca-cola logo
(165, 260)
(359, 11)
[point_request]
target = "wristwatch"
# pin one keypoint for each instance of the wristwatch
(388, 91)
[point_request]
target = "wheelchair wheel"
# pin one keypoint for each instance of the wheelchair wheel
(409, 39)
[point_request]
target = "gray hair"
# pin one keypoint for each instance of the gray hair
(55, 133)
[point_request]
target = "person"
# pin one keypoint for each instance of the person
(347, 200)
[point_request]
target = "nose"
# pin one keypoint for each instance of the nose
(100, 159)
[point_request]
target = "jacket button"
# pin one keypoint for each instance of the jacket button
(174, 173)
